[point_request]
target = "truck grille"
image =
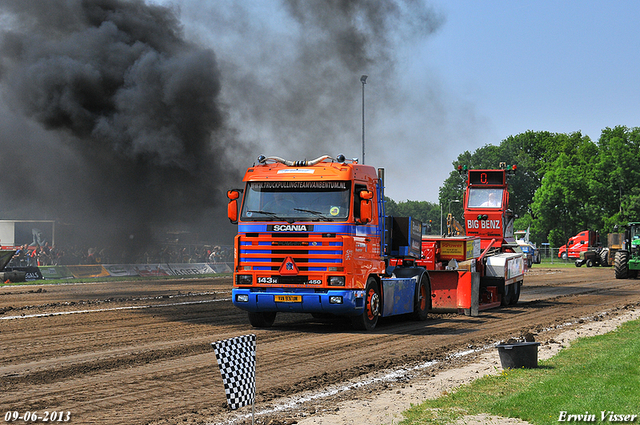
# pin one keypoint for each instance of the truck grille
(310, 251)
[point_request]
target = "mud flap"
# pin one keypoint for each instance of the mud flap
(455, 291)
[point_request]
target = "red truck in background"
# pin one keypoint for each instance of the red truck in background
(581, 242)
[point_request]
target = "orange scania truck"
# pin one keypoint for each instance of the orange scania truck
(313, 237)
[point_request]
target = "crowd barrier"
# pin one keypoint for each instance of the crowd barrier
(122, 270)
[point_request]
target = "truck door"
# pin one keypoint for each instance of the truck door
(362, 240)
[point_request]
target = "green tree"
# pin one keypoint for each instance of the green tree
(616, 176)
(563, 205)
(426, 212)
(534, 154)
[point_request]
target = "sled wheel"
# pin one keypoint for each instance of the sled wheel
(369, 318)
(422, 303)
(508, 295)
(515, 295)
(262, 320)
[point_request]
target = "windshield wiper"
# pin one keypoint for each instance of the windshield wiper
(272, 214)
(316, 213)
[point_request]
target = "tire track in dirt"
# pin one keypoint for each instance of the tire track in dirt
(156, 365)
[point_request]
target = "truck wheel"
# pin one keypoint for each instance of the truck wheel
(565, 256)
(622, 264)
(422, 304)
(368, 320)
(589, 262)
(262, 320)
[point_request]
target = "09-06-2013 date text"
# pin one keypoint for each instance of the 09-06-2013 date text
(47, 416)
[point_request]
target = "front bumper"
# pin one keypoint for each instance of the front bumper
(311, 301)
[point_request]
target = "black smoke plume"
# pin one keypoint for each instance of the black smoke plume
(136, 136)
(117, 123)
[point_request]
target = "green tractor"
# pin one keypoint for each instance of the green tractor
(627, 259)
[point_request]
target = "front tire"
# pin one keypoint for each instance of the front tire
(368, 320)
(262, 320)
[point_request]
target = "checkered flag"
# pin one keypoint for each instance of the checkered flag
(237, 361)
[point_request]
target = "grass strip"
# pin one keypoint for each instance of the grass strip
(595, 376)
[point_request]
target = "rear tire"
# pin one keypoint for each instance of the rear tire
(368, 320)
(262, 320)
(622, 264)
(604, 257)
(422, 303)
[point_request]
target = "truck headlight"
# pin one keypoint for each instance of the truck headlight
(335, 281)
(244, 279)
(242, 298)
(335, 299)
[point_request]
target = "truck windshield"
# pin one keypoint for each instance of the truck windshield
(296, 200)
(485, 198)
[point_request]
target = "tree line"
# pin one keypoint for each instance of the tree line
(565, 183)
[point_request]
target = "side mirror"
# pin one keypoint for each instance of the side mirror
(366, 212)
(232, 207)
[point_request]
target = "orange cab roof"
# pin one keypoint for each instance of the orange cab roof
(321, 171)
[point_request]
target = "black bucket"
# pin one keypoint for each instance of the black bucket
(519, 355)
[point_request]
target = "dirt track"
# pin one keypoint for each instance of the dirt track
(138, 353)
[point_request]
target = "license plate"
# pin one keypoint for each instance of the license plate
(288, 298)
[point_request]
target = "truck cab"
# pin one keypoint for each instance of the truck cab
(313, 238)
(578, 244)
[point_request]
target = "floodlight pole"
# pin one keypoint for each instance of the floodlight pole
(363, 80)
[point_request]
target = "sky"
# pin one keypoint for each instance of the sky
(514, 66)
(488, 71)
(145, 112)
(559, 66)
